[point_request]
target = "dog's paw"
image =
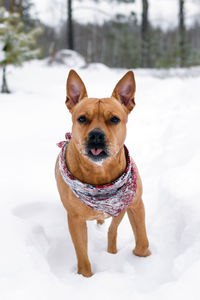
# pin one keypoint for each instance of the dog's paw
(85, 273)
(100, 222)
(112, 250)
(142, 252)
(85, 270)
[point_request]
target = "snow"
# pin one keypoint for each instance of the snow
(2, 26)
(67, 57)
(161, 12)
(37, 258)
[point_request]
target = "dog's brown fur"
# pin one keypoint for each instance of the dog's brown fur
(98, 113)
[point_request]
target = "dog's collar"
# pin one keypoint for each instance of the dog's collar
(111, 198)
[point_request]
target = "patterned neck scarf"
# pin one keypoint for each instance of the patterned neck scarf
(111, 198)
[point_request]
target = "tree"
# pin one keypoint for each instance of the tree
(16, 45)
(145, 35)
(23, 7)
(182, 46)
(70, 37)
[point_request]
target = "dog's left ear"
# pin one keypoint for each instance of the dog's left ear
(75, 89)
(125, 91)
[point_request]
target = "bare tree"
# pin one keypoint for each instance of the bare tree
(182, 33)
(145, 35)
(70, 37)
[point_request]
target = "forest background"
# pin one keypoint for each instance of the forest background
(117, 39)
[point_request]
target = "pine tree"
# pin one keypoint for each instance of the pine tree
(23, 7)
(182, 44)
(145, 34)
(16, 45)
(70, 36)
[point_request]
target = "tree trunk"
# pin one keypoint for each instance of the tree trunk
(144, 34)
(20, 7)
(70, 38)
(12, 8)
(182, 33)
(4, 88)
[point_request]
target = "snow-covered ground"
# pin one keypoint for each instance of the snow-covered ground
(37, 259)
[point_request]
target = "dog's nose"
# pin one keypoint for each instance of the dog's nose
(96, 136)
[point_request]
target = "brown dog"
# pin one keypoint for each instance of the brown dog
(95, 155)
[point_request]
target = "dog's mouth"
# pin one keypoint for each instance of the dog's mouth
(97, 152)
(96, 148)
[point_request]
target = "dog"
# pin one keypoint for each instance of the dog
(95, 176)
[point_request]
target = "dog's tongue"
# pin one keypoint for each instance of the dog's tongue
(96, 151)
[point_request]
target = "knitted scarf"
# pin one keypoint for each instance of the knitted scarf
(111, 198)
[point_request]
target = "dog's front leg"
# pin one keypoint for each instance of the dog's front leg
(136, 216)
(78, 230)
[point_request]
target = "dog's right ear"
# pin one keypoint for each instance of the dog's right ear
(124, 91)
(75, 89)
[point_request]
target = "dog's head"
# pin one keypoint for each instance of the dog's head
(99, 125)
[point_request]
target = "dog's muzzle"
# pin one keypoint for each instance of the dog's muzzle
(96, 146)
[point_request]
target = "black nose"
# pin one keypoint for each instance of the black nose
(96, 136)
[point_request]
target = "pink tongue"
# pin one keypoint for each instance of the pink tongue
(96, 151)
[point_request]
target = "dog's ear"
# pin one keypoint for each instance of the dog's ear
(125, 91)
(75, 89)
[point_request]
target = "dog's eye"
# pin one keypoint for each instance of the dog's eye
(82, 119)
(114, 120)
